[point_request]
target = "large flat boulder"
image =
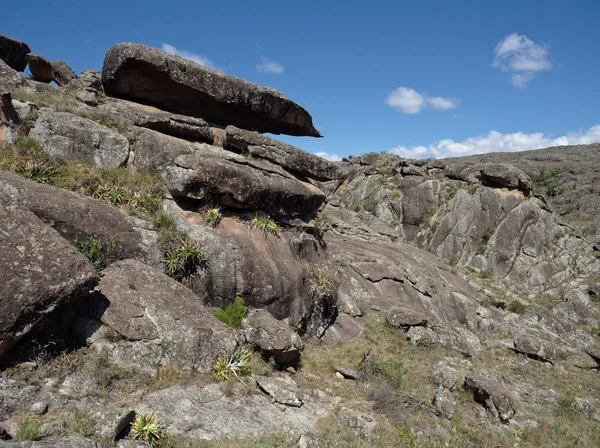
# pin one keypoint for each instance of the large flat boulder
(39, 270)
(77, 217)
(287, 156)
(147, 75)
(154, 321)
(43, 70)
(13, 52)
(71, 137)
(241, 184)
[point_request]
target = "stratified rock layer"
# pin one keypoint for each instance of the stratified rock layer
(148, 75)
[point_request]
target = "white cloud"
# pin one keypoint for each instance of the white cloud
(410, 101)
(441, 103)
(521, 57)
(197, 58)
(495, 141)
(329, 156)
(407, 100)
(270, 66)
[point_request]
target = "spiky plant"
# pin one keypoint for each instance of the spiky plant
(266, 224)
(212, 216)
(237, 363)
(148, 429)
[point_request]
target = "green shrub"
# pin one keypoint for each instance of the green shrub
(266, 224)
(485, 274)
(516, 307)
(79, 422)
(393, 371)
(233, 314)
(100, 252)
(29, 428)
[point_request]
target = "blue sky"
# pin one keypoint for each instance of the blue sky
(430, 78)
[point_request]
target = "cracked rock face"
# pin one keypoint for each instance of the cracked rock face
(40, 271)
(154, 321)
(71, 137)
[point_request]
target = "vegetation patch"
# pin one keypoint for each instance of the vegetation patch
(148, 429)
(265, 223)
(516, 307)
(100, 252)
(233, 314)
(29, 427)
(212, 216)
(236, 363)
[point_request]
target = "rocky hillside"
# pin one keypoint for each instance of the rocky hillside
(170, 277)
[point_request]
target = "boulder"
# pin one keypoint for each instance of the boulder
(13, 52)
(77, 217)
(492, 174)
(537, 347)
(155, 321)
(282, 390)
(460, 339)
(39, 270)
(242, 185)
(422, 336)
(10, 76)
(147, 75)
(289, 157)
(493, 395)
(74, 138)
(8, 119)
(444, 402)
(272, 337)
(406, 316)
(43, 70)
(449, 373)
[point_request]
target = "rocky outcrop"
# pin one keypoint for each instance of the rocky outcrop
(151, 320)
(241, 184)
(70, 137)
(537, 347)
(77, 217)
(272, 338)
(491, 174)
(13, 52)
(287, 156)
(404, 316)
(192, 412)
(147, 75)
(43, 70)
(40, 271)
(493, 395)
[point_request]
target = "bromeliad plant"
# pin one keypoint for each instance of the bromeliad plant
(147, 428)
(237, 363)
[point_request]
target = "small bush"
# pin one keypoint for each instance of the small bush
(212, 216)
(393, 371)
(485, 274)
(147, 428)
(237, 363)
(266, 224)
(321, 284)
(29, 428)
(233, 314)
(516, 307)
(100, 252)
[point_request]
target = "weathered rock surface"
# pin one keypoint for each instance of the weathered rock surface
(536, 346)
(281, 389)
(493, 395)
(68, 136)
(9, 76)
(241, 184)
(460, 339)
(40, 271)
(272, 337)
(444, 402)
(422, 336)
(78, 217)
(43, 70)
(67, 442)
(203, 412)
(147, 75)
(13, 52)
(492, 174)
(157, 321)
(287, 156)
(405, 316)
